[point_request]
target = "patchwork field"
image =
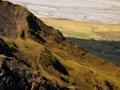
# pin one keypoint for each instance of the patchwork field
(85, 29)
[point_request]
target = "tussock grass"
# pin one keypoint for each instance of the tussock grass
(89, 73)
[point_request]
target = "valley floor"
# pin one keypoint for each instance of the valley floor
(86, 30)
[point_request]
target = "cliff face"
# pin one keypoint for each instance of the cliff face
(36, 56)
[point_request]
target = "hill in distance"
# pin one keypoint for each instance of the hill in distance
(34, 56)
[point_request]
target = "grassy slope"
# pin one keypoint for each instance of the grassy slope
(77, 67)
(86, 30)
(99, 71)
(89, 72)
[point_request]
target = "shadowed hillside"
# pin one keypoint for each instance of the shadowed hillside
(34, 56)
(109, 50)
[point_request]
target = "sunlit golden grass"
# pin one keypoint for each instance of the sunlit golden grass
(28, 48)
(32, 51)
(94, 68)
(88, 71)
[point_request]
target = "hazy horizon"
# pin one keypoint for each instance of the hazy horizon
(93, 10)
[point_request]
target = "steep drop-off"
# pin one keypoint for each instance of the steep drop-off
(34, 56)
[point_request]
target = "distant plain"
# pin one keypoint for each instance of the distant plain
(85, 29)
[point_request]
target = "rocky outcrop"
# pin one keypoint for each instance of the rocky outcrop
(16, 21)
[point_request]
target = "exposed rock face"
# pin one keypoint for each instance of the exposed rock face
(34, 56)
(17, 21)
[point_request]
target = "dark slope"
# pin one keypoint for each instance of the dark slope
(36, 56)
(109, 50)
